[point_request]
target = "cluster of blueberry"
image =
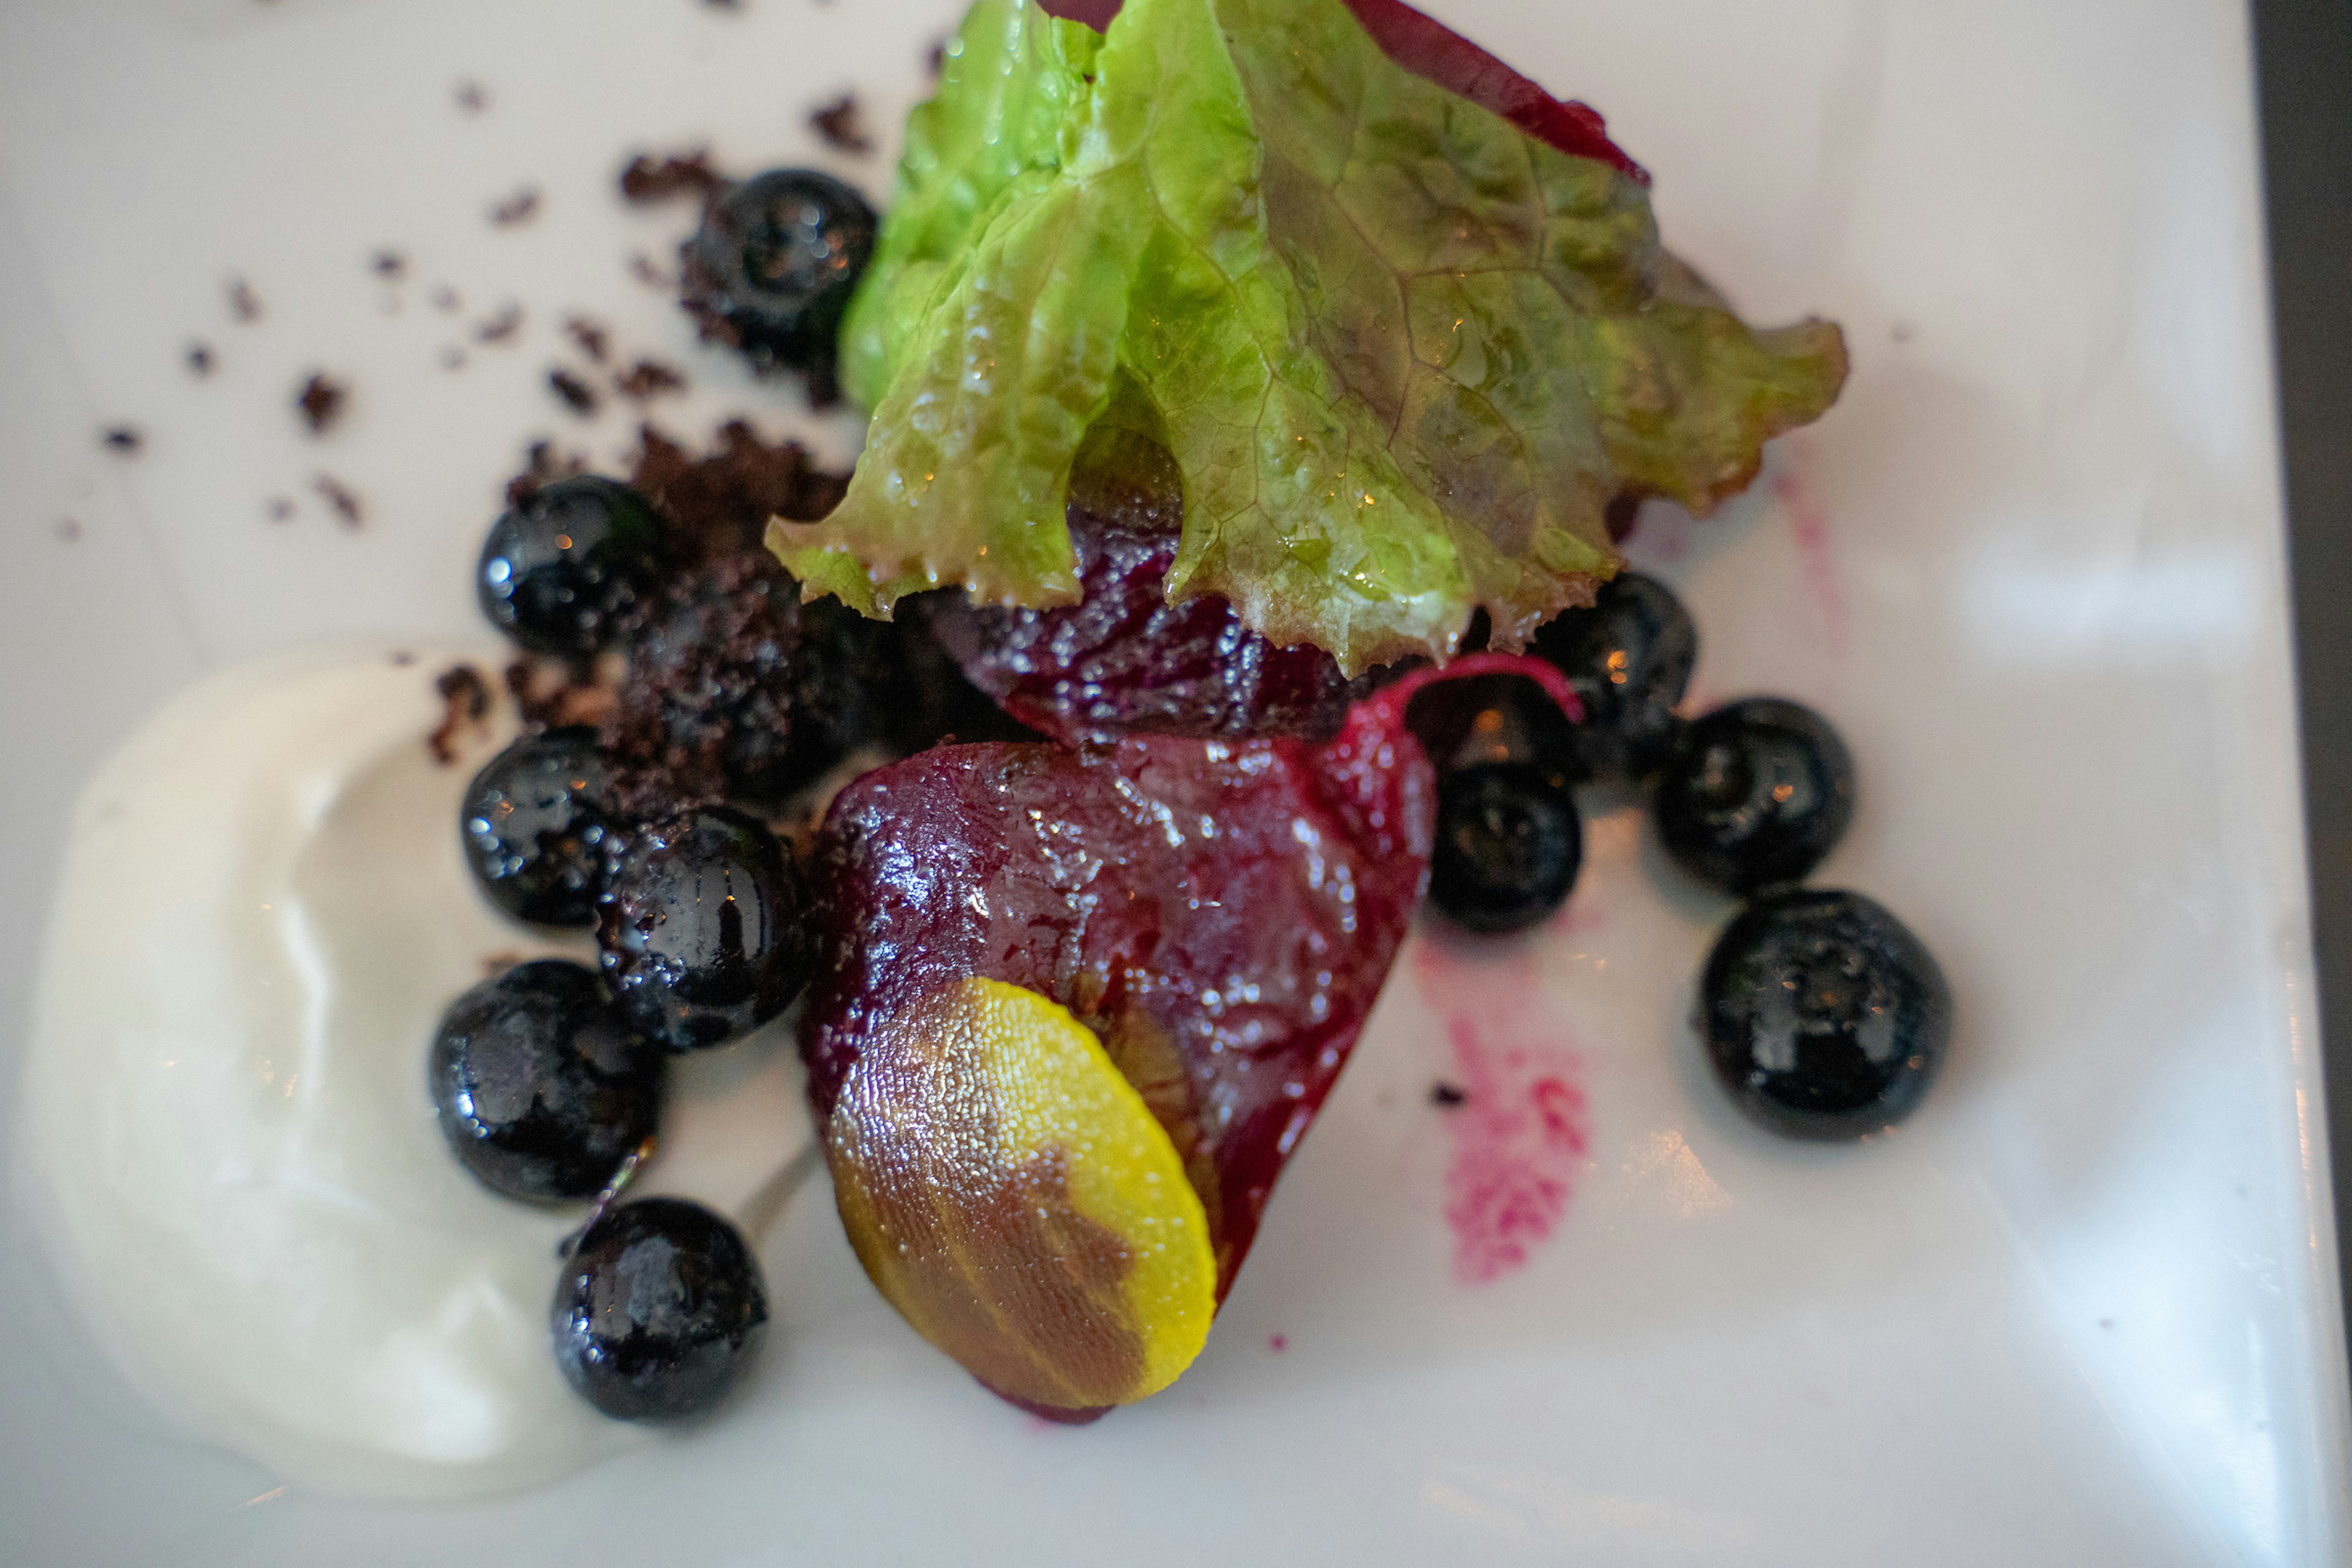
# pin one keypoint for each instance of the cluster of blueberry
(548, 1079)
(1823, 1014)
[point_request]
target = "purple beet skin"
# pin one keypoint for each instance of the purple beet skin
(1125, 661)
(1222, 914)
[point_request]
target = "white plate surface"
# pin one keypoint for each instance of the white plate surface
(2079, 1311)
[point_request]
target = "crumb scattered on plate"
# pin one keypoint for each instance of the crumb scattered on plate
(340, 497)
(518, 208)
(322, 401)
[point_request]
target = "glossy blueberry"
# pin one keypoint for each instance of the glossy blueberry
(540, 828)
(1629, 657)
(704, 933)
(1756, 794)
(1469, 720)
(658, 1311)
(563, 567)
(1509, 844)
(541, 1086)
(774, 263)
(1823, 1014)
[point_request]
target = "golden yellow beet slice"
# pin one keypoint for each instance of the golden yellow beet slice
(1011, 1196)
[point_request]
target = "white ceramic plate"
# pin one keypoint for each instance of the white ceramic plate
(2081, 1310)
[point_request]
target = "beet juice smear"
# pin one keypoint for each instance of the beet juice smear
(1222, 914)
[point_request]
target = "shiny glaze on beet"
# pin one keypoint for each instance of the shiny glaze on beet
(1222, 914)
(1126, 661)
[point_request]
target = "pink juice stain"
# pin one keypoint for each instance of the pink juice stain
(1809, 525)
(1522, 1129)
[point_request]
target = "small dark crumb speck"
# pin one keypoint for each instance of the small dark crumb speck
(200, 359)
(840, 123)
(338, 495)
(543, 465)
(577, 394)
(648, 177)
(466, 699)
(2106, 1323)
(322, 401)
(279, 510)
(403, 658)
(124, 439)
(591, 335)
(444, 299)
(554, 694)
(519, 207)
(643, 268)
(723, 5)
(69, 529)
(389, 265)
(648, 379)
(938, 58)
(498, 328)
(453, 358)
(1902, 332)
(472, 96)
(244, 304)
(1448, 1095)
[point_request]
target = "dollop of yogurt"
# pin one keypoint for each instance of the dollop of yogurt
(230, 1147)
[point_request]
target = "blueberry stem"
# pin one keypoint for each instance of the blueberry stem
(766, 1205)
(638, 1158)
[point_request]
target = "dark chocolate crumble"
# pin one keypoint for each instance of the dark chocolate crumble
(518, 208)
(340, 497)
(499, 327)
(576, 394)
(650, 178)
(466, 699)
(321, 400)
(648, 379)
(840, 123)
(593, 339)
(543, 465)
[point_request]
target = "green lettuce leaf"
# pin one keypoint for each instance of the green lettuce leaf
(1403, 355)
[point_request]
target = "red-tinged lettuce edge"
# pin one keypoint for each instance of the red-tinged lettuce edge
(1436, 52)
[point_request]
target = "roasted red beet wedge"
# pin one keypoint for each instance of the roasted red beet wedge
(1125, 661)
(1220, 915)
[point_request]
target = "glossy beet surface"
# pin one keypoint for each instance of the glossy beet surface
(1508, 846)
(774, 265)
(541, 1086)
(736, 688)
(1124, 660)
(561, 567)
(1629, 656)
(704, 935)
(1756, 795)
(1221, 914)
(1823, 1014)
(658, 1312)
(541, 827)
